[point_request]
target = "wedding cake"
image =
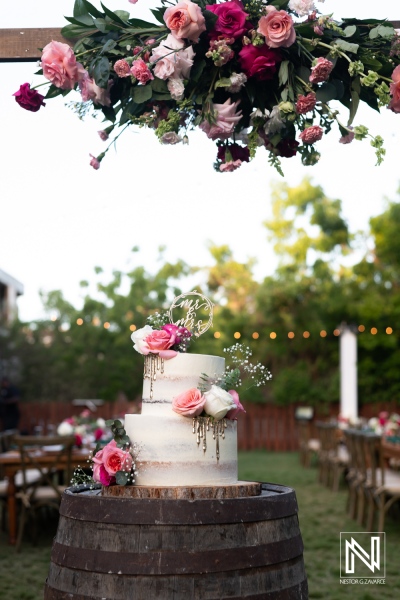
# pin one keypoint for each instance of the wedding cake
(178, 450)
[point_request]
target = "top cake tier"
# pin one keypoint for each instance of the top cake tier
(174, 376)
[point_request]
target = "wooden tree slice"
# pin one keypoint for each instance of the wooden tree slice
(241, 489)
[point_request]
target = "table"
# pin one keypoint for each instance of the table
(11, 463)
(390, 450)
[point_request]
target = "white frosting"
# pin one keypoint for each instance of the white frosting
(170, 455)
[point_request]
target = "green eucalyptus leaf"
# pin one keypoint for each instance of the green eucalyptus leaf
(83, 21)
(159, 85)
(350, 30)
(101, 71)
(374, 33)
(326, 92)
(161, 96)
(123, 15)
(74, 31)
(110, 422)
(109, 45)
(304, 73)
(142, 93)
(101, 25)
(346, 46)
(386, 31)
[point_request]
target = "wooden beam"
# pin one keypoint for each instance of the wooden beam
(24, 45)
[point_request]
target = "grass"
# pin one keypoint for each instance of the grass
(322, 516)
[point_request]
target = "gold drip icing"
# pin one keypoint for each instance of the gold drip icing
(201, 425)
(152, 364)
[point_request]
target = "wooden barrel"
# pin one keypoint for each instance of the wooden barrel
(180, 546)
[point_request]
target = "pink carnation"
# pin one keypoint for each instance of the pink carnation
(141, 71)
(230, 166)
(225, 120)
(60, 67)
(185, 20)
(394, 104)
(321, 70)
(189, 404)
(347, 139)
(277, 28)
(306, 103)
(122, 68)
(94, 162)
(312, 134)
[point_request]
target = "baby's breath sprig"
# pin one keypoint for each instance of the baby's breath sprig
(79, 478)
(239, 356)
(157, 320)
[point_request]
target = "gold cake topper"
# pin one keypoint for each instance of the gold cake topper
(191, 305)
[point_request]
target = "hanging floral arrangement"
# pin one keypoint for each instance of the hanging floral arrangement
(248, 73)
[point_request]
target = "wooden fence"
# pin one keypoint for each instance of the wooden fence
(263, 426)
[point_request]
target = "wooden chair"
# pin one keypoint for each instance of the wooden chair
(382, 485)
(5, 444)
(46, 491)
(354, 475)
(333, 457)
(308, 446)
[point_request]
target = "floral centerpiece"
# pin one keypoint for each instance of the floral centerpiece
(85, 428)
(248, 73)
(386, 424)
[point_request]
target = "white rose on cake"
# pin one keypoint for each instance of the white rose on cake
(138, 338)
(218, 402)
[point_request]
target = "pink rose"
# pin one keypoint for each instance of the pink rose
(394, 104)
(122, 68)
(91, 91)
(305, 103)
(233, 414)
(231, 20)
(29, 99)
(185, 20)
(260, 62)
(101, 476)
(225, 120)
(171, 58)
(114, 459)
(312, 134)
(189, 403)
(159, 342)
(321, 70)
(60, 67)
(141, 71)
(277, 28)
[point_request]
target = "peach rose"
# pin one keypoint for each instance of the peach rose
(159, 342)
(394, 104)
(189, 403)
(169, 63)
(114, 459)
(277, 28)
(60, 67)
(185, 20)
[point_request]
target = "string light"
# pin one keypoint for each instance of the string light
(336, 332)
(79, 321)
(323, 333)
(132, 327)
(96, 321)
(236, 335)
(389, 330)
(217, 335)
(255, 335)
(361, 328)
(290, 335)
(306, 334)
(374, 330)
(272, 335)
(53, 318)
(106, 325)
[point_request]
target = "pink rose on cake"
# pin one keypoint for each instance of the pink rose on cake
(189, 404)
(108, 461)
(218, 402)
(233, 414)
(152, 341)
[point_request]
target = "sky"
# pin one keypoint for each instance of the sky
(59, 218)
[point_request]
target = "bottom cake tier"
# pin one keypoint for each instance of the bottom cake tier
(171, 456)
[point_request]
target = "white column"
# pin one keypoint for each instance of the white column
(348, 374)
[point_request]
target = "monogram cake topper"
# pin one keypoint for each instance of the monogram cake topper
(191, 303)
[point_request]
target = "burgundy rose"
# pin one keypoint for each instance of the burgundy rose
(287, 148)
(29, 99)
(237, 152)
(259, 62)
(231, 20)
